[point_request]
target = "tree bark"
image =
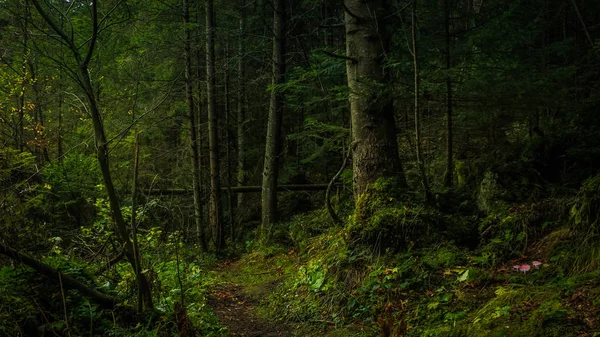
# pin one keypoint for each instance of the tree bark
(449, 173)
(215, 209)
(273, 141)
(375, 147)
(417, 79)
(241, 103)
(103, 300)
(229, 135)
(134, 190)
(100, 138)
(193, 130)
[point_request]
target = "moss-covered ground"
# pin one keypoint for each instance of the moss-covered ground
(403, 269)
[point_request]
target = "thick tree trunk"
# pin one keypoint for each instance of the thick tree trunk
(213, 133)
(375, 147)
(417, 79)
(273, 141)
(101, 143)
(193, 130)
(241, 104)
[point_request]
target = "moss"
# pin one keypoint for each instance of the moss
(389, 223)
(491, 193)
(444, 256)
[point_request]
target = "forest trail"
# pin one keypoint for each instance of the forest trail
(236, 308)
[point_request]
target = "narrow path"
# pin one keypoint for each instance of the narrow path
(237, 312)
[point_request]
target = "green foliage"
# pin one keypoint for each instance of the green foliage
(509, 232)
(70, 190)
(17, 310)
(390, 223)
(14, 165)
(585, 213)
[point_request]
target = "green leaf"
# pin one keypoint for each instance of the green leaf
(464, 276)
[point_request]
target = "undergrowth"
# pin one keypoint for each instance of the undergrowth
(371, 277)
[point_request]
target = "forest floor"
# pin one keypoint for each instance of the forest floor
(236, 304)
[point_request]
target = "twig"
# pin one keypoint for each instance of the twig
(62, 293)
(110, 263)
(587, 33)
(45, 318)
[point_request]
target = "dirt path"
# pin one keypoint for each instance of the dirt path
(237, 312)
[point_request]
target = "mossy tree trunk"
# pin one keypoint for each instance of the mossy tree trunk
(375, 147)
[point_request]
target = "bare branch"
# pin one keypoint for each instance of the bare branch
(94, 37)
(338, 56)
(68, 41)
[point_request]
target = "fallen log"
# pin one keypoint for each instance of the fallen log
(101, 299)
(245, 189)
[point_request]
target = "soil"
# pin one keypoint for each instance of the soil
(237, 312)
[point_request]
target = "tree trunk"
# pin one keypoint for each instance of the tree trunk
(449, 173)
(103, 300)
(193, 130)
(375, 147)
(101, 143)
(417, 78)
(273, 141)
(138, 267)
(213, 134)
(241, 104)
(228, 137)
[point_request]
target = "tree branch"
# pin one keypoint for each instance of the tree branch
(102, 299)
(58, 30)
(338, 56)
(94, 37)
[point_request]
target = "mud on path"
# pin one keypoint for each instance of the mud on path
(237, 312)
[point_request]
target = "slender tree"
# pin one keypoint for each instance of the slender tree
(215, 209)
(189, 87)
(449, 173)
(241, 103)
(90, 91)
(229, 136)
(375, 147)
(274, 124)
(417, 112)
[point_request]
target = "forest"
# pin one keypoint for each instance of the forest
(290, 168)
